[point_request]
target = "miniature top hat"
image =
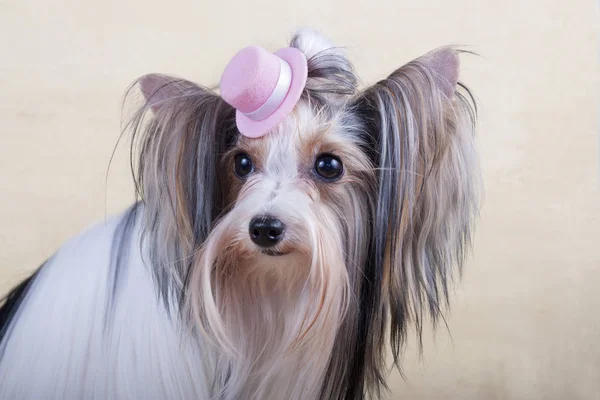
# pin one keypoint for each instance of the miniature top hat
(263, 87)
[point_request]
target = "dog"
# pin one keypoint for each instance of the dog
(289, 227)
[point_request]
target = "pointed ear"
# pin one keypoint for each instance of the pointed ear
(444, 66)
(160, 89)
(420, 122)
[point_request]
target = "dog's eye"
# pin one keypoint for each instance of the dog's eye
(329, 167)
(243, 165)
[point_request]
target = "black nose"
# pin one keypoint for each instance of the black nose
(266, 231)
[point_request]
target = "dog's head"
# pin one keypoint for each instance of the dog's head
(298, 250)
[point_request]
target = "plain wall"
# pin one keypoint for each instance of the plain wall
(525, 321)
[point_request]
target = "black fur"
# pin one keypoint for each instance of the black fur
(12, 301)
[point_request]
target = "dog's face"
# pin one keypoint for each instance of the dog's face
(281, 256)
(293, 194)
(296, 254)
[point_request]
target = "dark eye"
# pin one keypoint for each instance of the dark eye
(328, 167)
(243, 165)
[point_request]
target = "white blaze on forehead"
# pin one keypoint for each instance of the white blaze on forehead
(286, 143)
(281, 158)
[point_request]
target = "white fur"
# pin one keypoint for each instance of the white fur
(59, 348)
(311, 42)
(274, 337)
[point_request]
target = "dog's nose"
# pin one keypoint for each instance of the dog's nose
(266, 231)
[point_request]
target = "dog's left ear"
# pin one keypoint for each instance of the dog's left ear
(420, 123)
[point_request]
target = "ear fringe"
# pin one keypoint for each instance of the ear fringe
(423, 143)
(174, 153)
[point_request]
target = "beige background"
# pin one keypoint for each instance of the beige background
(526, 317)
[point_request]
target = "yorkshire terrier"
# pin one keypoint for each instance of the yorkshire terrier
(290, 228)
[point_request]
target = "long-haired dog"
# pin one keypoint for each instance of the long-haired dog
(284, 238)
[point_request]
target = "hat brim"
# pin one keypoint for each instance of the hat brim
(298, 64)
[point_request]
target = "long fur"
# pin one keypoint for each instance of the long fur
(172, 300)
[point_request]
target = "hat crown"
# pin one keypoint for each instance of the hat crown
(250, 78)
(263, 87)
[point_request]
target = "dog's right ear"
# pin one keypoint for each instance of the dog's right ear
(159, 90)
(178, 151)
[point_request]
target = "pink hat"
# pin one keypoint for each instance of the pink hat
(263, 87)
